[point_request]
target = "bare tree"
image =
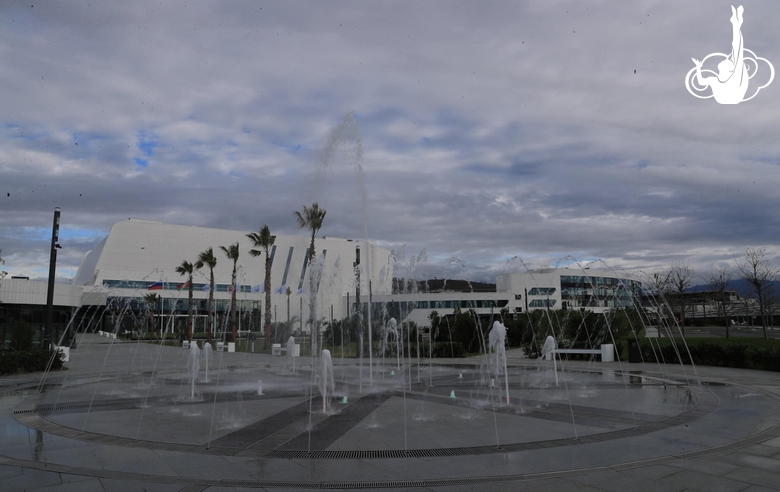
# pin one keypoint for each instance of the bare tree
(718, 281)
(681, 279)
(771, 300)
(658, 287)
(756, 270)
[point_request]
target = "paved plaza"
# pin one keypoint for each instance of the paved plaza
(129, 416)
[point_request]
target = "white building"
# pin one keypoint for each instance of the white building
(23, 301)
(418, 307)
(139, 255)
(562, 288)
(516, 293)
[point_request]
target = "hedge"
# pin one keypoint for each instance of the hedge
(27, 361)
(731, 354)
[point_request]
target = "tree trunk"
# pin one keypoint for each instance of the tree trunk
(762, 313)
(267, 288)
(233, 308)
(189, 313)
(209, 325)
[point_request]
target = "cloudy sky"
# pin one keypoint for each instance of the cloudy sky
(489, 130)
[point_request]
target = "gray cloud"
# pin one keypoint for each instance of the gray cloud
(490, 130)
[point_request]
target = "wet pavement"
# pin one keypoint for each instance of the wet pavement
(125, 416)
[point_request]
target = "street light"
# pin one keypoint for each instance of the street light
(48, 330)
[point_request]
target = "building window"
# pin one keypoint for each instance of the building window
(540, 303)
(542, 291)
(303, 270)
(287, 267)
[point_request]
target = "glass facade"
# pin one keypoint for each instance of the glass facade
(542, 291)
(400, 309)
(135, 314)
(22, 325)
(175, 286)
(583, 291)
(541, 303)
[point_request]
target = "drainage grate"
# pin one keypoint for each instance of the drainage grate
(391, 453)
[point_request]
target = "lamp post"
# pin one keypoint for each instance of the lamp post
(48, 332)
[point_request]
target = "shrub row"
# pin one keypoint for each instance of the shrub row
(732, 354)
(448, 349)
(27, 361)
(439, 350)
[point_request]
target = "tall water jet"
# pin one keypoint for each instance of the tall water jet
(193, 366)
(206, 359)
(391, 328)
(346, 132)
(291, 353)
(327, 384)
(497, 341)
(548, 352)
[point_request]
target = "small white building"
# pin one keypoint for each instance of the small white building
(563, 288)
(418, 307)
(517, 293)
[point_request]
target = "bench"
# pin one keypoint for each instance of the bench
(186, 344)
(606, 351)
(222, 346)
(277, 349)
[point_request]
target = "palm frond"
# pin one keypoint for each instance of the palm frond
(206, 258)
(185, 268)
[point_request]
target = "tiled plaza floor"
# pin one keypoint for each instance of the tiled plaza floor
(126, 417)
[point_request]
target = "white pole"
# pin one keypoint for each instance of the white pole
(370, 345)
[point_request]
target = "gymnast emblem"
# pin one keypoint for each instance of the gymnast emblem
(730, 84)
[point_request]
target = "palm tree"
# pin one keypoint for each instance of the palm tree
(186, 268)
(232, 254)
(311, 218)
(151, 300)
(207, 258)
(264, 240)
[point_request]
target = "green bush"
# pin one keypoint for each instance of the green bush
(710, 353)
(12, 362)
(764, 358)
(448, 349)
(736, 354)
(21, 336)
